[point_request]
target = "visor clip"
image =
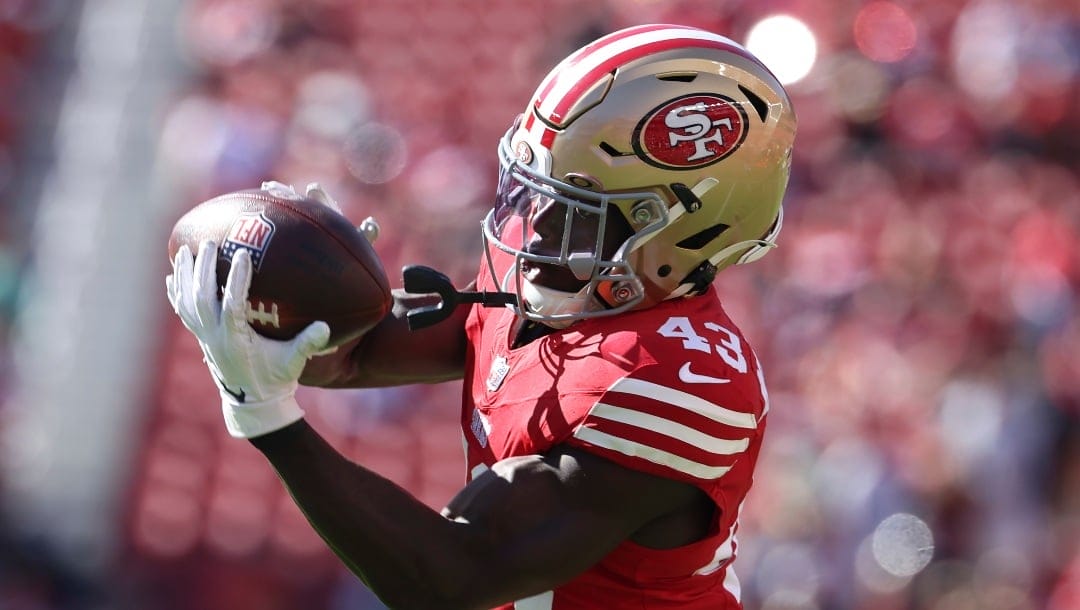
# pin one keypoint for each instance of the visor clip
(622, 292)
(642, 214)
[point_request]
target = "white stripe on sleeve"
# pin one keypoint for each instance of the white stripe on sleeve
(684, 400)
(670, 428)
(652, 454)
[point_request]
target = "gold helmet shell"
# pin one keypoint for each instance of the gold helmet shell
(683, 131)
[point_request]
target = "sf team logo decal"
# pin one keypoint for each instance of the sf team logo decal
(690, 132)
(251, 232)
(523, 152)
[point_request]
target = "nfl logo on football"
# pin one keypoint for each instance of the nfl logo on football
(251, 232)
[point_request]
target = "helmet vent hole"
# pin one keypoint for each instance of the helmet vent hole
(679, 77)
(664, 270)
(700, 239)
(759, 104)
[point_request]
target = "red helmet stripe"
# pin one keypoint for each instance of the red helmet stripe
(548, 138)
(539, 130)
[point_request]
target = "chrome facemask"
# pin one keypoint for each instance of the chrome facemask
(610, 285)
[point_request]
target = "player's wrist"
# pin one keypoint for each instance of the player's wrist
(252, 419)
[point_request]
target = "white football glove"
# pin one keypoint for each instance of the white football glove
(257, 376)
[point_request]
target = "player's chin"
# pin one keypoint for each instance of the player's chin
(550, 276)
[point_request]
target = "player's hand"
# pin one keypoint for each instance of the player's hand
(369, 227)
(315, 192)
(257, 376)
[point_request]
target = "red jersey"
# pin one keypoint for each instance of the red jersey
(673, 390)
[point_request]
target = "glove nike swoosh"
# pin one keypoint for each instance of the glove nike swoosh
(239, 395)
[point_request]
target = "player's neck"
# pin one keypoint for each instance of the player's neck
(528, 331)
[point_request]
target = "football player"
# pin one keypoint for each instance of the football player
(612, 411)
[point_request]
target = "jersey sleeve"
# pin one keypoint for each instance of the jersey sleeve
(650, 421)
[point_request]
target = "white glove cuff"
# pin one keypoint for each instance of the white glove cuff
(248, 420)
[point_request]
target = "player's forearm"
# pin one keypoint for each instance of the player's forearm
(407, 553)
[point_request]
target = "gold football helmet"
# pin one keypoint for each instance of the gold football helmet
(674, 139)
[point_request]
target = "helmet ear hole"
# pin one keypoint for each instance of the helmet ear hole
(700, 239)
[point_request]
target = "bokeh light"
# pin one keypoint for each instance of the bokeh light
(858, 87)
(375, 153)
(984, 51)
(871, 576)
(786, 45)
(903, 544)
(884, 32)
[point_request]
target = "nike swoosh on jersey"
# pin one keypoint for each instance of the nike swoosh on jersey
(688, 376)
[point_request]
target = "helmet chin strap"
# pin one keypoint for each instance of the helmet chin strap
(684, 289)
(741, 245)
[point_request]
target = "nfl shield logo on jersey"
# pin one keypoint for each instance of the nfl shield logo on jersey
(251, 232)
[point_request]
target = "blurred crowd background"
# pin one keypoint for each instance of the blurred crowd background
(919, 324)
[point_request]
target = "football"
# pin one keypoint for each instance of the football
(309, 262)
